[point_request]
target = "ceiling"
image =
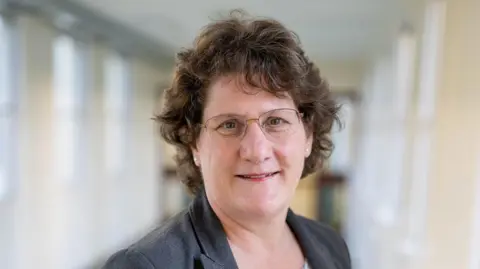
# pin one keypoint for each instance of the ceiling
(330, 30)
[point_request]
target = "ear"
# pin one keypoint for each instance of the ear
(195, 153)
(308, 145)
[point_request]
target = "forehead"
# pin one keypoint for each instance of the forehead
(231, 95)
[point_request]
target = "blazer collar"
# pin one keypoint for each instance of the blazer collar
(211, 236)
(315, 252)
(216, 252)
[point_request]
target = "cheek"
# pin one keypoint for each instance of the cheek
(291, 155)
(217, 163)
(216, 157)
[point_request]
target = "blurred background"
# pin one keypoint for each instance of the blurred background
(83, 171)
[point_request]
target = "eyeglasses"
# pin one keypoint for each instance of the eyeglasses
(276, 124)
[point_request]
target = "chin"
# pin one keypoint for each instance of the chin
(261, 207)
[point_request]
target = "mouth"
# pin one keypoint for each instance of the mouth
(258, 177)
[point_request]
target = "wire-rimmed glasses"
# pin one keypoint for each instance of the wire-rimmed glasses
(277, 124)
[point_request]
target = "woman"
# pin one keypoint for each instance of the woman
(249, 115)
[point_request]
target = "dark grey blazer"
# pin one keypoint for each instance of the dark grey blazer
(195, 239)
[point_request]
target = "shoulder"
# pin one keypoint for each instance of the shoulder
(128, 258)
(168, 245)
(323, 234)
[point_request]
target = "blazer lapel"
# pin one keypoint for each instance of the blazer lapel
(316, 254)
(211, 237)
(207, 263)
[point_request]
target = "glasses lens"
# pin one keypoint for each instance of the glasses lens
(280, 122)
(227, 125)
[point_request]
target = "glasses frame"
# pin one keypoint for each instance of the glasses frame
(250, 120)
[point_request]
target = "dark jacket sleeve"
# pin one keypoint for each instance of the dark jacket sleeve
(128, 259)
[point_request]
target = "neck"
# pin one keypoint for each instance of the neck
(254, 234)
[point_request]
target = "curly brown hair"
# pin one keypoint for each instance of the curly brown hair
(267, 56)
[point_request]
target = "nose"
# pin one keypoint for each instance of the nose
(255, 147)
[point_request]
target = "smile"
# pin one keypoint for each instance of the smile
(257, 177)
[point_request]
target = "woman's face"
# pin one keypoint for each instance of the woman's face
(249, 170)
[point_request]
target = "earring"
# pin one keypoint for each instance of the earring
(195, 160)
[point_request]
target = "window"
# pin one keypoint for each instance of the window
(404, 71)
(116, 105)
(117, 88)
(8, 107)
(69, 84)
(423, 140)
(431, 58)
(393, 142)
(342, 138)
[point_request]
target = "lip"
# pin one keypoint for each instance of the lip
(257, 177)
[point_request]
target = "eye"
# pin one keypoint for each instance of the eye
(231, 124)
(273, 121)
(231, 127)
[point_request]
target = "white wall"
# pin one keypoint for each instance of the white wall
(457, 141)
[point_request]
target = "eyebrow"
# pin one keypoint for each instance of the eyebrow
(244, 116)
(226, 115)
(223, 115)
(239, 115)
